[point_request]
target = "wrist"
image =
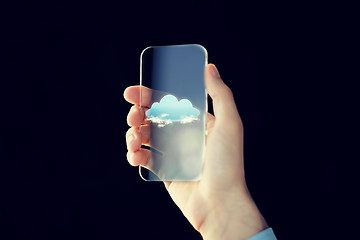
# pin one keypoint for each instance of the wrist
(239, 219)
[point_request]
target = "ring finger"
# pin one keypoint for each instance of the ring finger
(136, 137)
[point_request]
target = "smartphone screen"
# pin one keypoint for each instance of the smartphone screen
(175, 102)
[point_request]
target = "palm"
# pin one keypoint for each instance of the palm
(193, 197)
(188, 195)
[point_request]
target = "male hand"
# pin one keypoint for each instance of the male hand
(219, 206)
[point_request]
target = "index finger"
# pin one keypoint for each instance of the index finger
(132, 95)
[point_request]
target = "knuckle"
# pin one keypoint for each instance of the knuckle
(128, 118)
(128, 156)
(238, 126)
(223, 93)
(227, 91)
(129, 132)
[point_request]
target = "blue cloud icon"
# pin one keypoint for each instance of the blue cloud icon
(170, 110)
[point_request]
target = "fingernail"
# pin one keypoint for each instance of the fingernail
(135, 109)
(131, 138)
(214, 72)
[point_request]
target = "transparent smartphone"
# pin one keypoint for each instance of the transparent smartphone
(174, 98)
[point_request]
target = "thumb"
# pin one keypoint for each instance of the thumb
(223, 102)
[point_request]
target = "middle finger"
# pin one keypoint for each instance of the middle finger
(136, 116)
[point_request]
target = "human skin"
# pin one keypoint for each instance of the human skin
(219, 206)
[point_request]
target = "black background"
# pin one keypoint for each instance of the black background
(64, 173)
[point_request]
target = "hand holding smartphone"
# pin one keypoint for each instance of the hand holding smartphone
(172, 124)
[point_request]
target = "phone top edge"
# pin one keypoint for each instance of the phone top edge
(175, 45)
(143, 51)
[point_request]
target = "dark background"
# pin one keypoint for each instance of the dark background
(63, 168)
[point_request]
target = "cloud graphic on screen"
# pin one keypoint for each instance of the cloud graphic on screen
(170, 110)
